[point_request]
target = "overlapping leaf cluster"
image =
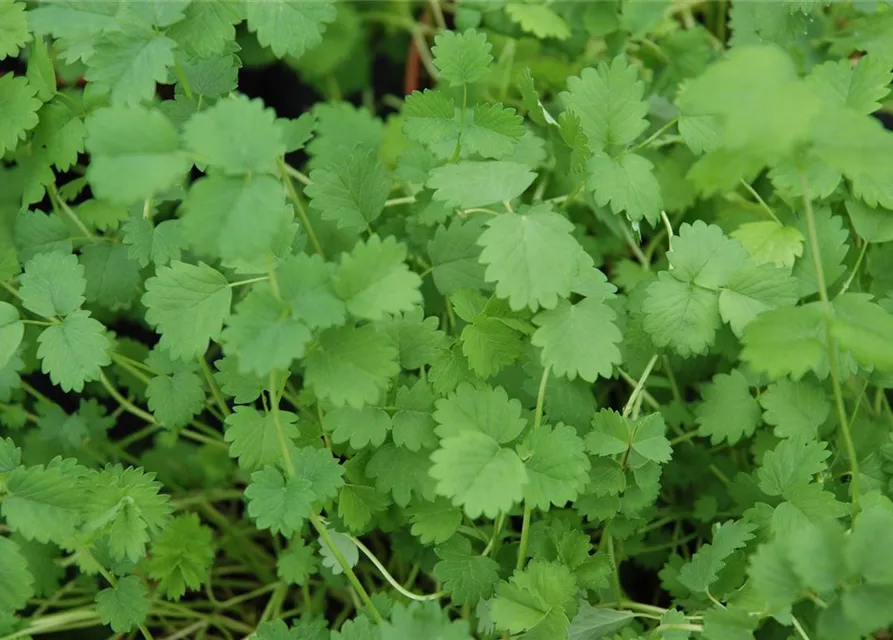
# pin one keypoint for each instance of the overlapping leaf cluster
(591, 337)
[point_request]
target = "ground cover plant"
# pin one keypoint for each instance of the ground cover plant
(446, 320)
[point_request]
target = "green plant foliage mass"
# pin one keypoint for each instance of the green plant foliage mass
(446, 319)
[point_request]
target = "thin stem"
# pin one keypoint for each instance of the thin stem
(393, 202)
(525, 521)
(832, 347)
(212, 384)
(760, 201)
(640, 386)
(849, 280)
(280, 431)
(289, 172)
(461, 122)
(387, 576)
(239, 283)
(129, 407)
(618, 591)
(800, 630)
(54, 195)
(669, 227)
(438, 14)
(497, 528)
(654, 136)
(489, 212)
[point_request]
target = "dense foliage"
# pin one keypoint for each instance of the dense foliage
(462, 319)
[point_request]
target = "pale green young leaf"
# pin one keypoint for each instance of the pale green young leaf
(19, 107)
(181, 557)
(490, 344)
(237, 135)
(350, 192)
(795, 409)
(14, 31)
(536, 600)
(306, 283)
(352, 366)
(610, 434)
(208, 26)
(262, 335)
(423, 620)
(579, 340)
(188, 305)
(74, 351)
(492, 131)
(434, 521)
(112, 277)
(123, 605)
(859, 86)
(11, 332)
(374, 280)
(467, 576)
(429, 117)
(413, 425)
(754, 289)
(462, 58)
(538, 19)
(34, 232)
(704, 567)
(175, 399)
(558, 468)
(770, 241)
(16, 581)
(628, 183)
(128, 64)
(135, 153)
(254, 437)
(727, 411)
(470, 183)
(488, 411)
(609, 101)
(702, 254)
(341, 127)
(290, 27)
(786, 341)
(867, 549)
(297, 563)
(680, 315)
(532, 257)
(53, 284)
(278, 503)
(478, 474)
(865, 329)
(234, 218)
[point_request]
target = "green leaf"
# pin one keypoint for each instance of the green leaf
(147, 242)
(53, 284)
(374, 280)
(492, 131)
(609, 101)
(532, 257)
(358, 504)
(128, 64)
(454, 254)
(207, 27)
(306, 283)
(536, 600)
(770, 241)
(429, 117)
(795, 409)
(352, 366)
(135, 153)
(350, 192)
(112, 277)
(402, 473)
(320, 469)
(754, 289)
(254, 438)
(628, 183)
(874, 224)
(181, 557)
(704, 256)
(19, 106)
(704, 567)
(187, 304)
(728, 411)
(423, 620)
(60, 133)
(418, 339)
(643, 438)
(290, 27)
(859, 86)
(538, 19)
(74, 351)
(42, 502)
(597, 622)
(124, 605)
(297, 563)
(468, 577)
(462, 58)
(558, 468)
(832, 239)
(362, 427)
(469, 183)
(791, 464)
(11, 332)
(237, 135)
(16, 582)
(235, 218)
(175, 399)
(787, 341)
(867, 548)
(14, 34)
(680, 315)
(277, 503)
(262, 335)
(434, 521)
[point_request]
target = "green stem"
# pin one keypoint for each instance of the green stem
(618, 592)
(640, 386)
(832, 347)
(654, 136)
(212, 384)
(239, 283)
(129, 407)
(461, 122)
(54, 196)
(760, 201)
(525, 521)
(287, 174)
(387, 576)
